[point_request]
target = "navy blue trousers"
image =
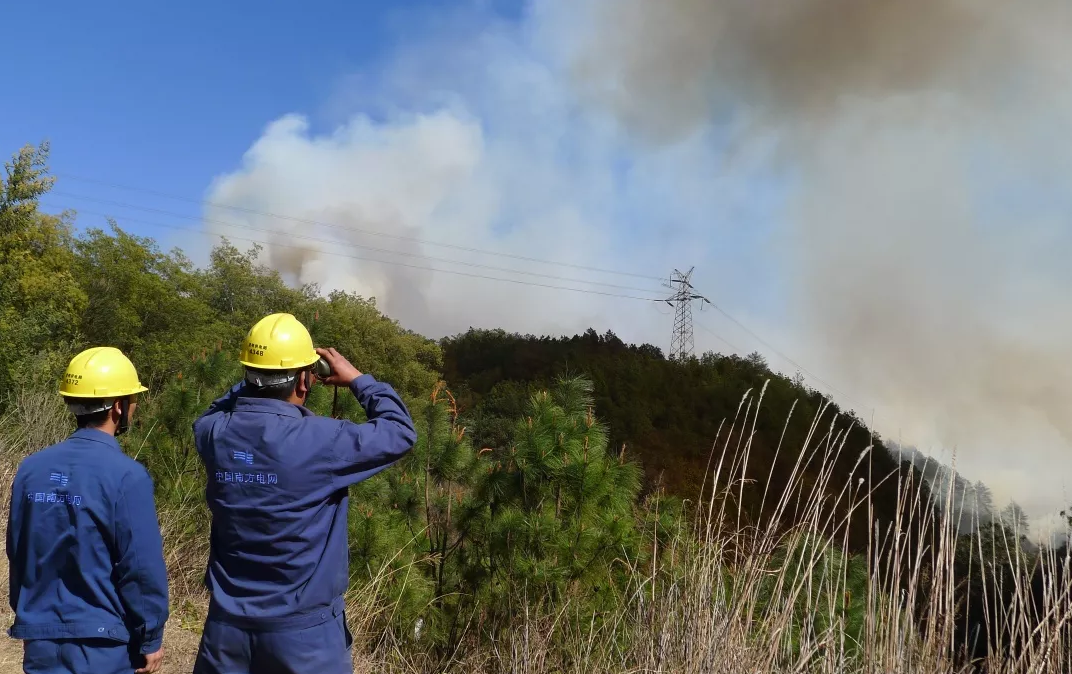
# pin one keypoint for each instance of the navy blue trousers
(321, 649)
(79, 656)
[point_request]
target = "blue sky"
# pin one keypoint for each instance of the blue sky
(165, 96)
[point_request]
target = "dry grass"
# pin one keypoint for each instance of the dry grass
(726, 597)
(736, 599)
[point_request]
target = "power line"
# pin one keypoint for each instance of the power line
(468, 249)
(268, 214)
(681, 344)
(775, 350)
(843, 395)
(443, 271)
(779, 353)
(457, 273)
(718, 337)
(347, 244)
(399, 264)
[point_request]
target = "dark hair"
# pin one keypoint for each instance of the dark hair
(95, 420)
(274, 391)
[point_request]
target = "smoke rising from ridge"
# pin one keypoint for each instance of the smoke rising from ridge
(916, 148)
(908, 127)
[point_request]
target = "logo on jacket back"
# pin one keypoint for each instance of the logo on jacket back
(239, 477)
(61, 480)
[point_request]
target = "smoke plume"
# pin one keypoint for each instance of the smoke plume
(911, 155)
(927, 191)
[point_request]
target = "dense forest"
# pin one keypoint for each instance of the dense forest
(549, 471)
(669, 415)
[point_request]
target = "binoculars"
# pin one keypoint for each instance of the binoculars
(322, 369)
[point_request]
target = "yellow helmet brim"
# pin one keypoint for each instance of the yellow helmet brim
(104, 393)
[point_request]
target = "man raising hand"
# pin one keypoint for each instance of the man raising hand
(278, 486)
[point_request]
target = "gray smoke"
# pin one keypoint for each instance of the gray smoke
(928, 186)
(919, 146)
(669, 66)
(368, 196)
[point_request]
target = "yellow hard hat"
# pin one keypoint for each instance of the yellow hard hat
(278, 342)
(100, 372)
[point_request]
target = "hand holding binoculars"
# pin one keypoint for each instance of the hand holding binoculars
(332, 368)
(322, 369)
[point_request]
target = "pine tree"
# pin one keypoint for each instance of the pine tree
(1015, 519)
(984, 503)
(561, 507)
(491, 530)
(416, 517)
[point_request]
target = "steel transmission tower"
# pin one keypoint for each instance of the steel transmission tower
(681, 344)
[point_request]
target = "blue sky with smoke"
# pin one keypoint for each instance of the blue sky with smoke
(878, 189)
(167, 98)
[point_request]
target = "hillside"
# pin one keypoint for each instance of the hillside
(669, 415)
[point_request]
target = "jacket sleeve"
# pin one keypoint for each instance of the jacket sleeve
(141, 575)
(362, 450)
(226, 401)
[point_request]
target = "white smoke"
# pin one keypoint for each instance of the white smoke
(438, 177)
(910, 155)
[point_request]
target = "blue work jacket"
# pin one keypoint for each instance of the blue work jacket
(278, 489)
(84, 547)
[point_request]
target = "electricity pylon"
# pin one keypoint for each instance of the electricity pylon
(681, 344)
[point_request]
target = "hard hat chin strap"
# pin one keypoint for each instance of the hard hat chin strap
(261, 378)
(80, 409)
(124, 416)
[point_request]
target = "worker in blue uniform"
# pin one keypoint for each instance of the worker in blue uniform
(88, 583)
(278, 480)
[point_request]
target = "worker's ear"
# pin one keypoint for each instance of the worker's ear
(305, 384)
